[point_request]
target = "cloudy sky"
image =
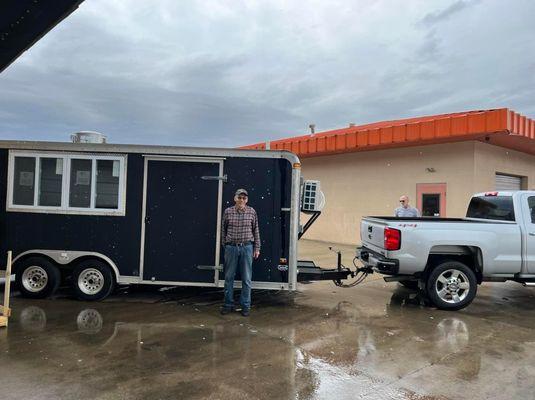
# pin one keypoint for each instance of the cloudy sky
(234, 72)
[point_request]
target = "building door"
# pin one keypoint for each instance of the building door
(431, 199)
(180, 221)
(508, 182)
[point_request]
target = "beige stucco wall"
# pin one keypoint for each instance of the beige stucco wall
(489, 159)
(370, 183)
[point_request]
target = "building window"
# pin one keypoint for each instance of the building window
(67, 183)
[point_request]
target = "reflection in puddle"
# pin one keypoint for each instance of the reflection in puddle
(89, 321)
(33, 319)
(452, 334)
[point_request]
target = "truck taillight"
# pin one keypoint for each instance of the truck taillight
(392, 239)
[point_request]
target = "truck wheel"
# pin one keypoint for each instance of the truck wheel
(413, 285)
(451, 285)
(92, 280)
(37, 277)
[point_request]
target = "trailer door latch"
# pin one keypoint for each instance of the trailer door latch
(214, 178)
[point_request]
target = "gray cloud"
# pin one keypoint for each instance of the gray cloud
(224, 73)
(446, 13)
(430, 47)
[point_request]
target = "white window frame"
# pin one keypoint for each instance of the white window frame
(65, 184)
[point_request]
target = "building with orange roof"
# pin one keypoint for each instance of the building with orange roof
(439, 161)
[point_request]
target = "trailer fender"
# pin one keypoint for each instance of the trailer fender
(64, 257)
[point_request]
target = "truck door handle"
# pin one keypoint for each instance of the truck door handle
(147, 219)
(531, 233)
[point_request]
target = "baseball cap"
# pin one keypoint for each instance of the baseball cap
(241, 191)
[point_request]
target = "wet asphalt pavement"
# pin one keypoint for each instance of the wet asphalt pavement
(375, 341)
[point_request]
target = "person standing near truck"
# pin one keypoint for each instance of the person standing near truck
(405, 210)
(241, 238)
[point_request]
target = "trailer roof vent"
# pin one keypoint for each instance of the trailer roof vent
(88, 137)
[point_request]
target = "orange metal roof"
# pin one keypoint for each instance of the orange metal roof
(502, 127)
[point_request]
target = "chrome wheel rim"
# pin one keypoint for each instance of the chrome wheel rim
(452, 286)
(34, 279)
(91, 281)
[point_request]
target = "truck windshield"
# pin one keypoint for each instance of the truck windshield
(491, 207)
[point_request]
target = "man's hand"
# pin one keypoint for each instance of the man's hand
(256, 254)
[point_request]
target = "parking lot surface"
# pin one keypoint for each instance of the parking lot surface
(375, 341)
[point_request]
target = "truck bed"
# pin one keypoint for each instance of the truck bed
(438, 219)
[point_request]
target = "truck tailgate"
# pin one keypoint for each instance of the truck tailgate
(372, 233)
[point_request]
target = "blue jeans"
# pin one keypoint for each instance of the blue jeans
(241, 256)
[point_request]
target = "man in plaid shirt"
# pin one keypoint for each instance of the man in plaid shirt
(241, 237)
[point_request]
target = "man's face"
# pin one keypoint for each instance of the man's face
(240, 200)
(404, 201)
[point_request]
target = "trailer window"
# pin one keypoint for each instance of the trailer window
(50, 181)
(67, 183)
(107, 184)
(492, 207)
(80, 189)
(24, 181)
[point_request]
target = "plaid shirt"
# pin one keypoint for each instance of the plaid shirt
(241, 226)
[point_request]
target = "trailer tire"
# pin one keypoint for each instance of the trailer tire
(37, 277)
(451, 285)
(92, 280)
(412, 285)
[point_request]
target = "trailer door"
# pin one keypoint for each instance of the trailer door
(180, 220)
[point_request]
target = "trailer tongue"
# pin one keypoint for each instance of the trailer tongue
(312, 202)
(308, 271)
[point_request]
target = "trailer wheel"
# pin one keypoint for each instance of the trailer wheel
(37, 277)
(451, 285)
(92, 280)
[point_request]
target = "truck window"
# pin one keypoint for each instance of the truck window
(492, 207)
(531, 205)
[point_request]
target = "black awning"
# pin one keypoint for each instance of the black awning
(24, 22)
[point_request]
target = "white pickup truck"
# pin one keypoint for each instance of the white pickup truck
(448, 257)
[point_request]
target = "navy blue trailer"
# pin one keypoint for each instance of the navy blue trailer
(98, 215)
